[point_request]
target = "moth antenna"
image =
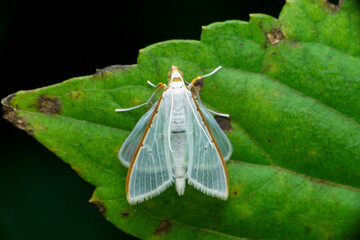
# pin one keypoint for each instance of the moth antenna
(132, 108)
(161, 85)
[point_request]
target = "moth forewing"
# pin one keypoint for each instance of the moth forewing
(128, 148)
(222, 140)
(149, 172)
(206, 170)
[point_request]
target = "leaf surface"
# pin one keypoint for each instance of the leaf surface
(291, 87)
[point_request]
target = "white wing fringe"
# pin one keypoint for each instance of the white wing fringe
(151, 194)
(203, 189)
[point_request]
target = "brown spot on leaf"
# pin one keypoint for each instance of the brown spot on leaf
(48, 104)
(275, 36)
(224, 123)
(307, 229)
(341, 166)
(10, 114)
(99, 205)
(125, 214)
(269, 140)
(235, 192)
(163, 228)
(112, 68)
(75, 95)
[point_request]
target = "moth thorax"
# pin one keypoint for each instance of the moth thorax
(174, 75)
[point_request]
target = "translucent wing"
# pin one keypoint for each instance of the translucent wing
(206, 171)
(220, 137)
(150, 170)
(129, 146)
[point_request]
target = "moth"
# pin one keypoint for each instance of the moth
(177, 139)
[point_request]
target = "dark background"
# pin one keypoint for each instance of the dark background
(41, 197)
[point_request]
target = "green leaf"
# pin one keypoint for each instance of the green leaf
(291, 87)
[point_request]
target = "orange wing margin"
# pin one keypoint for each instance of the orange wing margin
(140, 144)
(212, 136)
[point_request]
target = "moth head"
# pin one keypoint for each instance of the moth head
(174, 75)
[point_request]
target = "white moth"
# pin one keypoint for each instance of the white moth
(177, 139)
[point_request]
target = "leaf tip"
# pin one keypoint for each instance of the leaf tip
(11, 114)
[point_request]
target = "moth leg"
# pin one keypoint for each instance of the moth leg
(151, 84)
(161, 85)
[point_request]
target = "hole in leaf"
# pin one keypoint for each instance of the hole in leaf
(333, 5)
(335, 2)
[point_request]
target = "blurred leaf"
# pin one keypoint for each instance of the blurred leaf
(291, 87)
